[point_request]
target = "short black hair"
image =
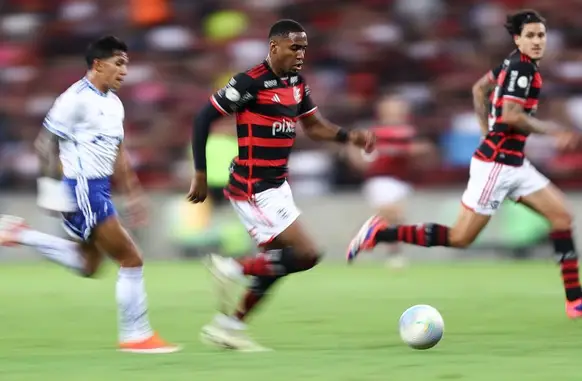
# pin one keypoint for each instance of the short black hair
(103, 48)
(515, 21)
(282, 28)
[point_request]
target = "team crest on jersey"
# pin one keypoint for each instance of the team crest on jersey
(297, 94)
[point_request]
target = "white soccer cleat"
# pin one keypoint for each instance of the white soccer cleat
(228, 333)
(228, 275)
(10, 228)
(226, 269)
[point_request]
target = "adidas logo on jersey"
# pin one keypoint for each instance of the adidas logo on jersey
(276, 99)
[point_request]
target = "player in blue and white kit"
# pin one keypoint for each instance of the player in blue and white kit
(85, 129)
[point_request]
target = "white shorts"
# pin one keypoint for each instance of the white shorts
(381, 191)
(268, 214)
(490, 183)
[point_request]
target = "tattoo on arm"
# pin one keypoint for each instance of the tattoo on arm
(514, 115)
(512, 108)
(481, 91)
(47, 148)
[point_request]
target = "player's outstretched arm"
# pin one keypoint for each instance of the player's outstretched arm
(47, 150)
(231, 98)
(318, 128)
(51, 196)
(126, 178)
(124, 174)
(58, 127)
(481, 90)
(200, 133)
(514, 115)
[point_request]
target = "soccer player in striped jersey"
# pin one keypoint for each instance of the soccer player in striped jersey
(83, 135)
(399, 148)
(499, 169)
(268, 100)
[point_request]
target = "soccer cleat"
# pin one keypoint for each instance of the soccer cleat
(10, 228)
(225, 269)
(228, 333)
(228, 275)
(366, 237)
(574, 309)
(152, 345)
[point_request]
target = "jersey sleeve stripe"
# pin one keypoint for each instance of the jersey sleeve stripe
(510, 98)
(308, 113)
(218, 106)
(491, 77)
(54, 130)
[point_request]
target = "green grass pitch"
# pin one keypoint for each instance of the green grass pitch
(504, 321)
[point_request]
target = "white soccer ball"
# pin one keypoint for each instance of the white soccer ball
(421, 326)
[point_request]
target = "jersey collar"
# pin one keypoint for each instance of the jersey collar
(93, 88)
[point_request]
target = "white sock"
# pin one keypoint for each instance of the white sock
(229, 322)
(132, 305)
(55, 249)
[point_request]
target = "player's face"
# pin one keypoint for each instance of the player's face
(113, 69)
(393, 110)
(290, 52)
(532, 41)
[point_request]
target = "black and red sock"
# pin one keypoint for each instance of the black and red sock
(254, 295)
(259, 265)
(267, 268)
(276, 263)
(566, 255)
(426, 235)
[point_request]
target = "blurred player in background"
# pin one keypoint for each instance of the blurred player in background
(398, 148)
(83, 137)
(268, 101)
(499, 169)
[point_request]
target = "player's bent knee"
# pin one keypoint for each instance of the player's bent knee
(88, 273)
(312, 255)
(311, 260)
(561, 220)
(299, 260)
(460, 240)
(132, 260)
(93, 258)
(128, 255)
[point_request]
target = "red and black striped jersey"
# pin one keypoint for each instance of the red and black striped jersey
(517, 80)
(393, 143)
(267, 108)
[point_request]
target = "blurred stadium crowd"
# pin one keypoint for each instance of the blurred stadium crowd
(428, 51)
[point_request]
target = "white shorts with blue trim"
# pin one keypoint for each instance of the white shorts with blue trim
(93, 198)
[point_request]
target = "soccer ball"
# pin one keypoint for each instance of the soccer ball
(421, 326)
